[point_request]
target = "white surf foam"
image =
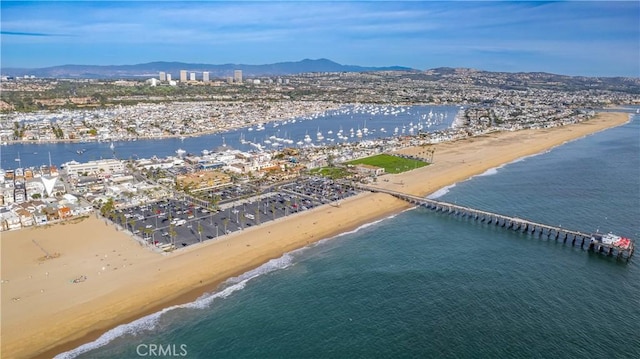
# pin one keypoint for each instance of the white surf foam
(231, 285)
(489, 172)
(358, 229)
(149, 322)
(441, 192)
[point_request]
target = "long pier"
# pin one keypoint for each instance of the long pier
(567, 236)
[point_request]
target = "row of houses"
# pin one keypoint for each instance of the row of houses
(41, 212)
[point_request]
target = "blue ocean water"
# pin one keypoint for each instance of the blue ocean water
(422, 285)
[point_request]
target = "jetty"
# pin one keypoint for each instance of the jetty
(622, 249)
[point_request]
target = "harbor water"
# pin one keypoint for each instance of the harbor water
(428, 285)
(373, 122)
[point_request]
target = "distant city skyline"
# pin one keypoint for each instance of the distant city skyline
(591, 38)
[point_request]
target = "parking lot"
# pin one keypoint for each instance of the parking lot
(179, 223)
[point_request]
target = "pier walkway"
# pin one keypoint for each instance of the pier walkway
(575, 238)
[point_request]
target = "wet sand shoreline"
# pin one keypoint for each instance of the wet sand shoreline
(80, 313)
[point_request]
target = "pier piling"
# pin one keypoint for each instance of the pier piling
(516, 224)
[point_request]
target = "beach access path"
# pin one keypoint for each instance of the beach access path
(44, 312)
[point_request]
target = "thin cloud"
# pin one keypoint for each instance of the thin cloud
(36, 34)
(418, 34)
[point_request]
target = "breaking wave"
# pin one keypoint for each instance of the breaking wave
(149, 322)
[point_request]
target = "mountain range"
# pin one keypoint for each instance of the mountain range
(152, 69)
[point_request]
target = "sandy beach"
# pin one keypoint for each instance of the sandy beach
(44, 312)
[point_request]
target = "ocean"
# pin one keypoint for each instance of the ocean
(428, 285)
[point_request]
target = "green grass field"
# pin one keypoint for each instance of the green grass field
(331, 172)
(391, 164)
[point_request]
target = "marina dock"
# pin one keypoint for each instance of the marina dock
(586, 241)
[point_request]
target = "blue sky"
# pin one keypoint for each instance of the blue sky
(594, 38)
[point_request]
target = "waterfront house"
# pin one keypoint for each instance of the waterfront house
(26, 217)
(52, 213)
(9, 221)
(40, 218)
(64, 212)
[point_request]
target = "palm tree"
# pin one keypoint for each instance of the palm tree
(149, 232)
(200, 231)
(214, 202)
(123, 220)
(225, 222)
(132, 223)
(273, 210)
(172, 235)
(107, 208)
(154, 210)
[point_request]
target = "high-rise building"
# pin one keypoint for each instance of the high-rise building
(237, 76)
(169, 77)
(205, 76)
(192, 76)
(183, 75)
(163, 76)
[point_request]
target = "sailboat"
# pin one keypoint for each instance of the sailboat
(307, 139)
